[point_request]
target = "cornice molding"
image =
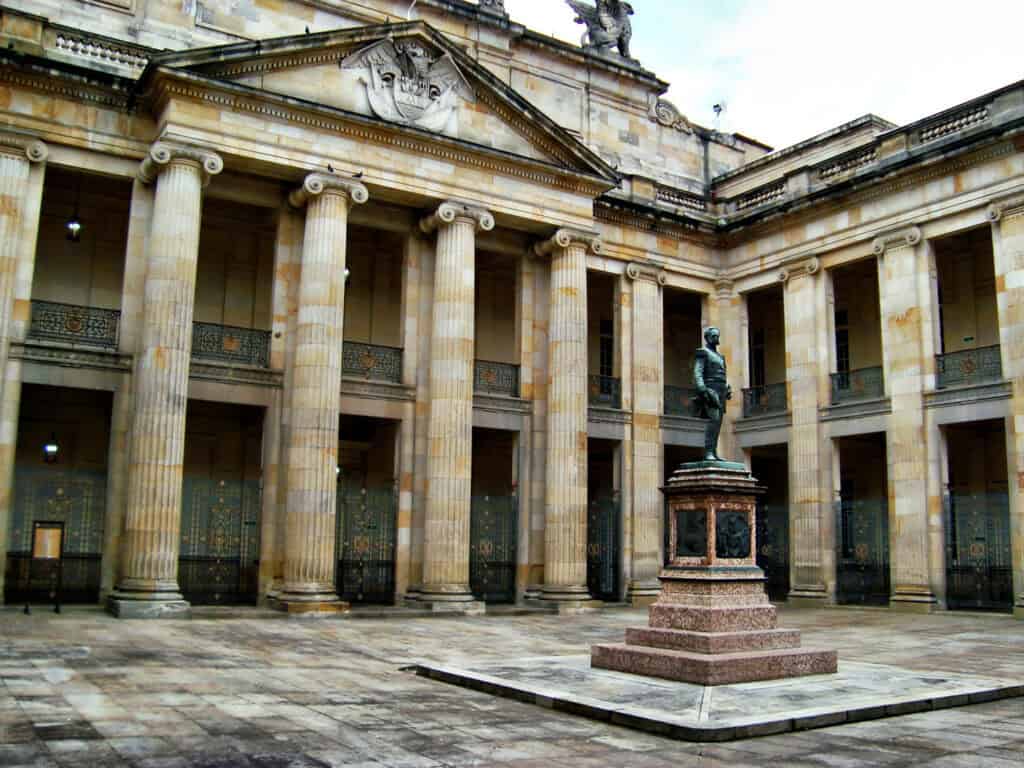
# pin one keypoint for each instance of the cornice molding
(645, 272)
(19, 144)
(451, 211)
(566, 238)
(899, 238)
(1005, 207)
(163, 154)
(316, 184)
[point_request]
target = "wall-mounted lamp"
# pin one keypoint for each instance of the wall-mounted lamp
(51, 449)
(347, 273)
(74, 224)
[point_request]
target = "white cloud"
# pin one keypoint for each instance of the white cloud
(792, 68)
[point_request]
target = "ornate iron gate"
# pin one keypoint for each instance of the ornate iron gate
(773, 548)
(219, 559)
(366, 544)
(862, 552)
(75, 497)
(493, 532)
(978, 565)
(603, 547)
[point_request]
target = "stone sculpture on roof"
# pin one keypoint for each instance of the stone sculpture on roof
(608, 26)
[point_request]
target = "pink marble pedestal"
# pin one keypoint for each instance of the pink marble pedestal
(712, 623)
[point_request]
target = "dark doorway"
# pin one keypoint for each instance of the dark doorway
(220, 504)
(66, 485)
(494, 517)
(862, 522)
(770, 465)
(367, 510)
(604, 520)
(979, 574)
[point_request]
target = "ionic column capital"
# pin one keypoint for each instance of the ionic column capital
(451, 211)
(899, 238)
(1005, 207)
(20, 144)
(316, 184)
(725, 289)
(797, 269)
(565, 238)
(162, 154)
(646, 272)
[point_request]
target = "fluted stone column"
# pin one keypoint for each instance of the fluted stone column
(648, 394)
(1007, 217)
(312, 457)
(903, 274)
(19, 214)
(450, 424)
(148, 586)
(565, 494)
(810, 501)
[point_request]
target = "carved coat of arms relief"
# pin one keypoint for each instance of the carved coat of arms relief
(409, 84)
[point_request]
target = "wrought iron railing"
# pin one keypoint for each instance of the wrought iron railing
(764, 400)
(969, 366)
(979, 568)
(679, 400)
(372, 361)
(73, 324)
(229, 344)
(606, 391)
(490, 378)
(860, 384)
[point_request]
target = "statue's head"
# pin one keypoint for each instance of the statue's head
(711, 336)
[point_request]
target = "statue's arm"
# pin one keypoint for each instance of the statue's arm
(699, 362)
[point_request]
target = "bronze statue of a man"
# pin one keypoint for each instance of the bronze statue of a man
(712, 391)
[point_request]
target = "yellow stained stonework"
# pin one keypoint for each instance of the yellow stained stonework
(455, 423)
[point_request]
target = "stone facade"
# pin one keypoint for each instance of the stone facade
(423, 268)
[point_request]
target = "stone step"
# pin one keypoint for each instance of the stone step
(704, 669)
(714, 642)
(706, 619)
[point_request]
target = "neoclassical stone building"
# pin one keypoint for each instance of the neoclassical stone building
(307, 303)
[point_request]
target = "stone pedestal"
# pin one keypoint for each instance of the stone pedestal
(713, 623)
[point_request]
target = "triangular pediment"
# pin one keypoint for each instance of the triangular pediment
(404, 75)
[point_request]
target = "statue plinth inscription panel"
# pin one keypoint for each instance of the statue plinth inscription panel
(712, 623)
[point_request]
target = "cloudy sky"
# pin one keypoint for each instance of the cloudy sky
(788, 69)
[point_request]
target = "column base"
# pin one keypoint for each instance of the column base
(1018, 612)
(448, 598)
(643, 593)
(139, 606)
(308, 604)
(808, 597)
(912, 602)
(570, 599)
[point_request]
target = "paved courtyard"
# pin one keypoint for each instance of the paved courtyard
(251, 688)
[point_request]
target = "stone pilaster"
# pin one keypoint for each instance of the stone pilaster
(809, 501)
(565, 497)
(725, 309)
(901, 268)
(315, 394)
(648, 393)
(450, 424)
(1007, 217)
(19, 220)
(148, 586)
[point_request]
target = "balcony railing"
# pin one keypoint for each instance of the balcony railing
(765, 400)
(861, 384)
(606, 391)
(968, 366)
(72, 324)
(372, 361)
(228, 344)
(679, 401)
(490, 378)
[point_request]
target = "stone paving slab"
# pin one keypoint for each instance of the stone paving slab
(859, 691)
